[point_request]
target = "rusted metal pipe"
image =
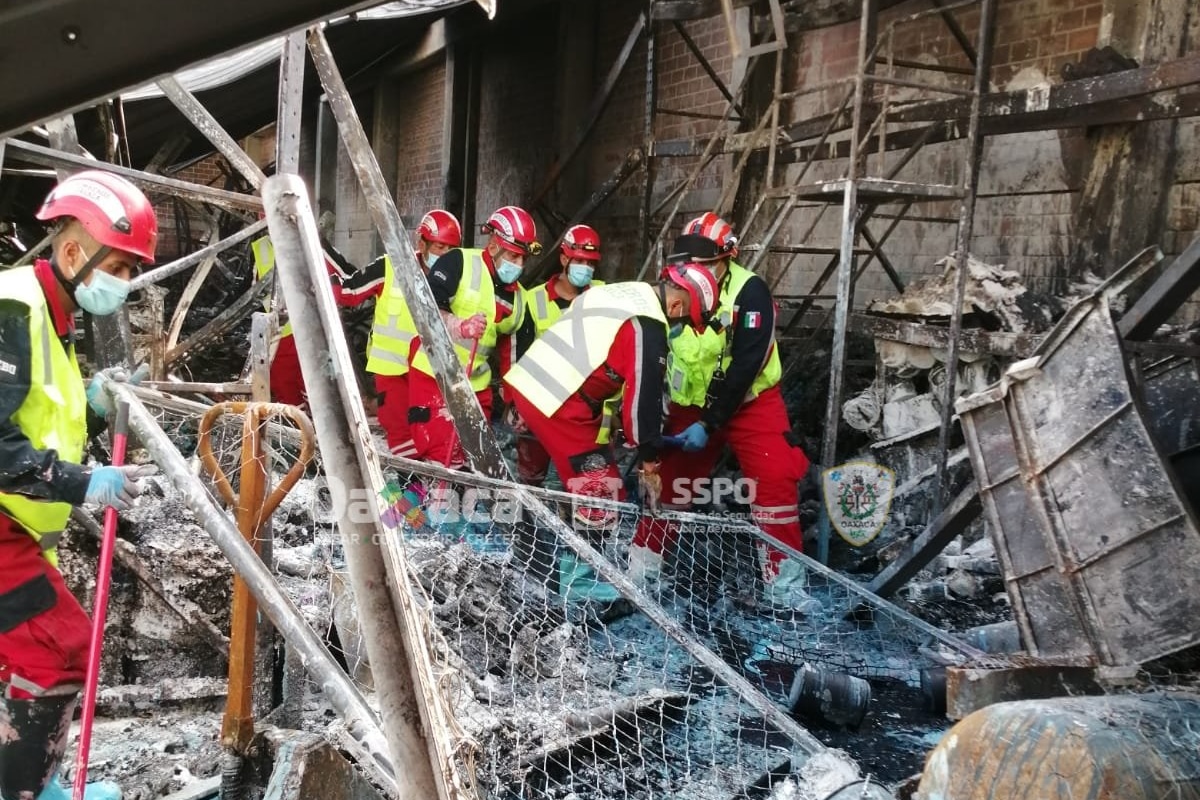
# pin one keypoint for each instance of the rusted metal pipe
(254, 507)
(363, 734)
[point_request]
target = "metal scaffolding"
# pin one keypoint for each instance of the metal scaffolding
(869, 121)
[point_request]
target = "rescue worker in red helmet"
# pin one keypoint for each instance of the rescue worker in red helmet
(610, 344)
(286, 378)
(394, 334)
(724, 388)
(578, 258)
(480, 300)
(106, 228)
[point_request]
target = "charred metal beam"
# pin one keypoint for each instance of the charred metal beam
(211, 129)
(191, 260)
(473, 428)
(49, 157)
(624, 170)
(380, 588)
(962, 246)
(690, 43)
(291, 100)
(954, 519)
(1164, 297)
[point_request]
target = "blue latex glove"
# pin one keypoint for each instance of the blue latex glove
(102, 790)
(693, 438)
(116, 486)
(97, 395)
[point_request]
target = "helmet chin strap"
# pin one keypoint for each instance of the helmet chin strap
(71, 284)
(89, 265)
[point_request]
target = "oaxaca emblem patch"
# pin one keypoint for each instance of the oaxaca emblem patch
(858, 497)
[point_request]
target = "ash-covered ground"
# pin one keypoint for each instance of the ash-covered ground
(547, 702)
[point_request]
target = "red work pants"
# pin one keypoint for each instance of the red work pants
(44, 632)
(433, 431)
(585, 467)
(769, 456)
(533, 460)
(287, 382)
(392, 391)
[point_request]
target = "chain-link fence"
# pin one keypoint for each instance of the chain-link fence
(564, 679)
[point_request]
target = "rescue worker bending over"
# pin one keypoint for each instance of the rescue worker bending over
(724, 387)
(478, 295)
(287, 381)
(106, 228)
(394, 334)
(544, 304)
(610, 344)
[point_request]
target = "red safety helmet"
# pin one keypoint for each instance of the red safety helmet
(700, 284)
(514, 227)
(112, 210)
(441, 227)
(720, 232)
(582, 242)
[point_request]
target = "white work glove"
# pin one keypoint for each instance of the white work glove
(472, 327)
(117, 486)
(98, 397)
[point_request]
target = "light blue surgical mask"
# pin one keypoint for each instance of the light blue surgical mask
(580, 275)
(430, 260)
(103, 295)
(507, 271)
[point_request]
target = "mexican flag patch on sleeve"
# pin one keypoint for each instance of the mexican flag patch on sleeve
(753, 319)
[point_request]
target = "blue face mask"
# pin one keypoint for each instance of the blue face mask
(430, 260)
(507, 271)
(103, 295)
(580, 275)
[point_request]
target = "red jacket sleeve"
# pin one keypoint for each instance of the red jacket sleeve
(639, 356)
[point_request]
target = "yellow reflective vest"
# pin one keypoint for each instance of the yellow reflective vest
(54, 414)
(544, 311)
(476, 294)
(694, 357)
(393, 331)
(558, 363)
(264, 262)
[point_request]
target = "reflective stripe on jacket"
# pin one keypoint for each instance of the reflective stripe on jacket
(54, 413)
(558, 363)
(264, 262)
(475, 295)
(544, 311)
(393, 331)
(695, 357)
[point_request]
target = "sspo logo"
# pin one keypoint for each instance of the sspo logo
(704, 491)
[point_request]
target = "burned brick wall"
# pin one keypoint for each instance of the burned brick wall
(1030, 182)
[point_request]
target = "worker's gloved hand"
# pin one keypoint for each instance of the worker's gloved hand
(650, 487)
(116, 486)
(694, 437)
(470, 328)
(97, 394)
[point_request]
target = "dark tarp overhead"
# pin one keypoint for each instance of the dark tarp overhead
(243, 92)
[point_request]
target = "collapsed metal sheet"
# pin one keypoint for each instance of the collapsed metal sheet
(1099, 549)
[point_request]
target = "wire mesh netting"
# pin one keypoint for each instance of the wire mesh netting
(679, 688)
